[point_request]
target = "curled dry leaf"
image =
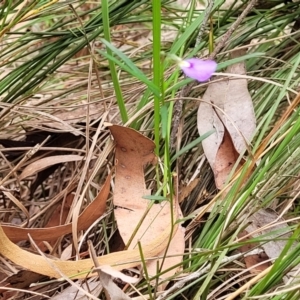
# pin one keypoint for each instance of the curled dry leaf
(139, 219)
(226, 107)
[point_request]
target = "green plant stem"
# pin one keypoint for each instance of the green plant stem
(156, 8)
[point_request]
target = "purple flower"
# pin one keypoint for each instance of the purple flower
(198, 69)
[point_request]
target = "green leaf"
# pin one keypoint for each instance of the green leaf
(126, 64)
(155, 198)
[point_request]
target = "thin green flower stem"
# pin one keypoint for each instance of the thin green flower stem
(175, 81)
(167, 164)
(156, 11)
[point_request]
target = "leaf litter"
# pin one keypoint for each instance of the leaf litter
(71, 117)
(139, 151)
(227, 109)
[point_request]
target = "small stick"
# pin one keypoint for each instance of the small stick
(232, 28)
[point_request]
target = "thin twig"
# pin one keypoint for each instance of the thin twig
(233, 27)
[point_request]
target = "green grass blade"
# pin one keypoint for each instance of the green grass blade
(112, 67)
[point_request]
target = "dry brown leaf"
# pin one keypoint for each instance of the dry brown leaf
(266, 222)
(133, 152)
(87, 217)
(59, 216)
(254, 262)
(46, 162)
(227, 106)
(226, 157)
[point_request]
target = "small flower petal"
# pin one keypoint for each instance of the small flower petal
(198, 69)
